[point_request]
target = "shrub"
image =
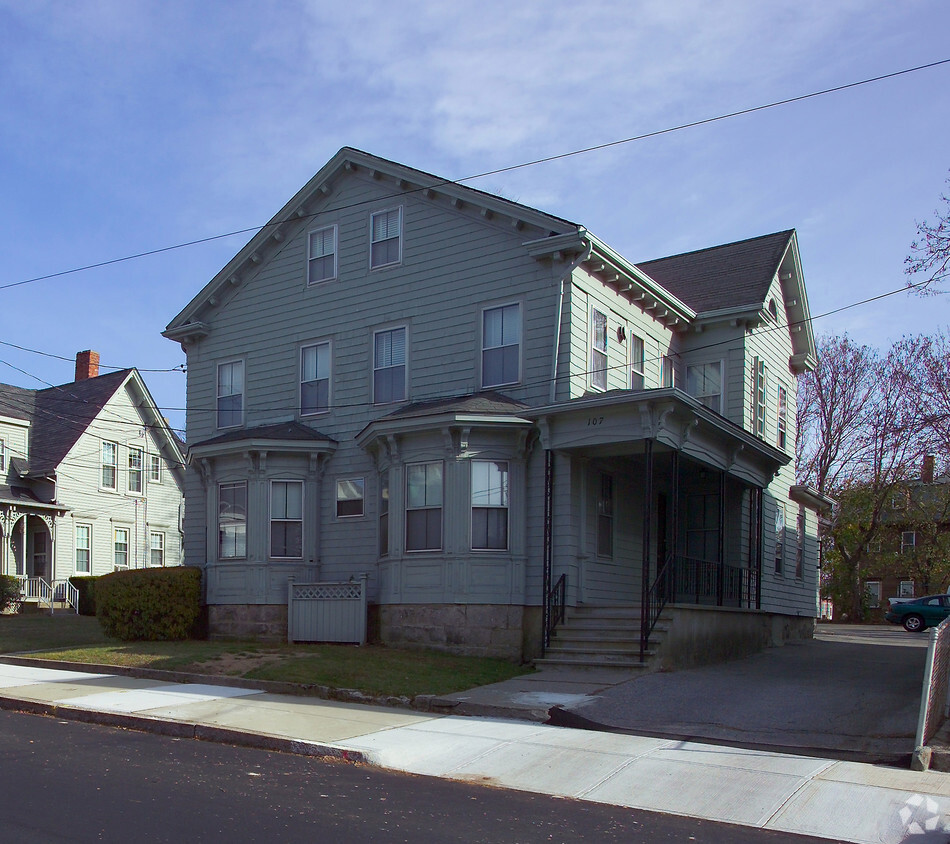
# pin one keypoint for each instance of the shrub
(86, 585)
(149, 603)
(9, 590)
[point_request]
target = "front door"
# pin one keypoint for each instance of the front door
(40, 555)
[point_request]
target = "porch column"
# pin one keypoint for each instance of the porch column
(23, 543)
(720, 576)
(674, 522)
(758, 548)
(647, 518)
(547, 549)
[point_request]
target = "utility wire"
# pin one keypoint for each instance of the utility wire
(508, 169)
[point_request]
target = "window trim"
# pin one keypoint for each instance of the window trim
(220, 556)
(506, 506)
(329, 378)
(88, 549)
(271, 519)
(151, 548)
(405, 364)
(383, 533)
(637, 368)
(311, 282)
(781, 416)
(115, 547)
(426, 507)
(781, 534)
(3, 455)
(485, 348)
(908, 545)
(218, 396)
(136, 472)
(114, 465)
(874, 595)
(593, 370)
(667, 370)
(361, 499)
(760, 391)
(154, 463)
(399, 237)
(701, 396)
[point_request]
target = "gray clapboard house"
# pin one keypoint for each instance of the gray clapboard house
(91, 480)
(507, 427)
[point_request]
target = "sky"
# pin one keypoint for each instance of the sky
(128, 126)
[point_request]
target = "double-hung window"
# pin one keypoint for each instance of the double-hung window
(286, 519)
(384, 513)
(758, 396)
(3, 456)
(781, 418)
(389, 366)
(230, 394)
(598, 349)
(667, 373)
(135, 470)
(156, 548)
(501, 345)
(121, 548)
(349, 497)
(489, 505)
(704, 382)
(314, 379)
(155, 468)
(232, 520)
(321, 260)
(424, 506)
(637, 374)
(779, 537)
(908, 541)
(110, 464)
(385, 238)
(83, 548)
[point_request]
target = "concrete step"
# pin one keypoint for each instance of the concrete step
(606, 655)
(633, 664)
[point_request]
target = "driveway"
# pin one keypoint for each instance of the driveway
(853, 692)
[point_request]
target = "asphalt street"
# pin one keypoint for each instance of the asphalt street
(64, 781)
(851, 693)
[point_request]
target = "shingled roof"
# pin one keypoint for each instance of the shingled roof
(286, 431)
(733, 275)
(61, 414)
(16, 402)
(487, 401)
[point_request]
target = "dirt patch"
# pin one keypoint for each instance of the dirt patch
(239, 664)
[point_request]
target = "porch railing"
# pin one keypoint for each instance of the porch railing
(65, 593)
(686, 580)
(554, 608)
(36, 589)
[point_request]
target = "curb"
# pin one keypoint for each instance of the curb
(185, 729)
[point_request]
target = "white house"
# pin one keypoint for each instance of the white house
(91, 478)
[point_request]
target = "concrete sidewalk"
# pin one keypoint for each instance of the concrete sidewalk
(840, 800)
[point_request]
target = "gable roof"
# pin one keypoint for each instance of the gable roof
(734, 275)
(16, 402)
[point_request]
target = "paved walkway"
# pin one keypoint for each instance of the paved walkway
(839, 800)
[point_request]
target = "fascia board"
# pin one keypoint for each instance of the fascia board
(413, 424)
(11, 420)
(271, 446)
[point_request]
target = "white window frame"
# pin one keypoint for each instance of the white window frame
(219, 395)
(427, 506)
(873, 590)
(404, 364)
(383, 520)
(906, 589)
(154, 468)
(323, 344)
(373, 241)
(136, 471)
(702, 395)
(781, 416)
(351, 485)
(908, 541)
(78, 547)
(115, 547)
(285, 520)
(490, 501)
(3, 455)
(759, 396)
(114, 465)
(503, 345)
(667, 371)
(780, 536)
(232, 520)
(594, 367)
(153, 547)
(638, 378)
(332, 254)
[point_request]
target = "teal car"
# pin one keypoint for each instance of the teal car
(920, 613)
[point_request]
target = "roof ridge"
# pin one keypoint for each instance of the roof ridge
(788, 232)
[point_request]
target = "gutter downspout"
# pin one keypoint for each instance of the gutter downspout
(560, 307)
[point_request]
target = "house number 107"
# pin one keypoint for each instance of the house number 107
(595, 420)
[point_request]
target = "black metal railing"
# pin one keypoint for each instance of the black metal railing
(656, 600)
(554, 603)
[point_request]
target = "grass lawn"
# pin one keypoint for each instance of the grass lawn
(373, 669)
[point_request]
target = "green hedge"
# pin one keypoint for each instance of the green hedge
(86, 585)
(9, 590)
(149, 604)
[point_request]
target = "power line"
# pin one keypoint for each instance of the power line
(497, 171)
(179, 368)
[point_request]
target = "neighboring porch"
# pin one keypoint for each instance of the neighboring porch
(651, 500)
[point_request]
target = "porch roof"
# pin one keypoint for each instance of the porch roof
(619, 422)
(25, 500)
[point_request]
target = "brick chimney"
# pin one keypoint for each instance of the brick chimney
(927, 472)
(87, 365)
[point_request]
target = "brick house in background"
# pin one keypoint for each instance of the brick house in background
(488, 412)
(91, 477)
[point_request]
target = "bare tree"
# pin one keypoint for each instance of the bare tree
(930, 252)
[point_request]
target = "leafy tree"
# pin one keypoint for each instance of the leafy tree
(930, 251)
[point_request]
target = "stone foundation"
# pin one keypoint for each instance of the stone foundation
(495, 630)
(706, 635)
(267, 622)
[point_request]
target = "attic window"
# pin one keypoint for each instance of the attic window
(773, 309)
(385, 238)
(321, 264)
